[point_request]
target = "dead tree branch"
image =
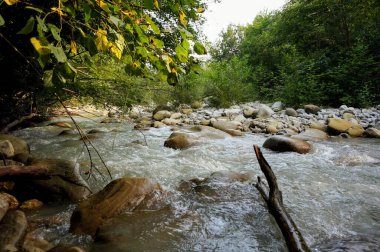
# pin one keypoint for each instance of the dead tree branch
(293, 237)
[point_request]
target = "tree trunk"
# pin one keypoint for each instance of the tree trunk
(20, 172)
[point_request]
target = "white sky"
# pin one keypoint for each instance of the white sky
(220, 15)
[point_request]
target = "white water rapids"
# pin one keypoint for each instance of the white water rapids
(331, 193)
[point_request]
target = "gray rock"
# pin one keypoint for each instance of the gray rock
(277, 106)
(264, 112)
(291, 112)
(312, 109)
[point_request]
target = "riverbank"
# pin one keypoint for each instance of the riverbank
(332, 190)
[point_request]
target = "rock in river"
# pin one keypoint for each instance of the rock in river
(283, 143)
(120, 196)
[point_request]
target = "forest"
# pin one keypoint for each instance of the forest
(322, 51)
(122, 128)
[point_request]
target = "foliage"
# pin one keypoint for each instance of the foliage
(320, 51)
(150, 37)
(224, 83)
(229, 43)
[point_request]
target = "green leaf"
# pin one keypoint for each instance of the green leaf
(181, 53)
(196, 68)
(87, 13)
(116, 21)
(41, 24)
(55, 32)
(58, 53)
(186, 44)
(172, 79)
(58, 78)
(28, 28)
(2, 21)
(199, 48)
(35, 9)
(149, 4)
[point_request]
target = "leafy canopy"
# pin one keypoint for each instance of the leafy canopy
(148, 36)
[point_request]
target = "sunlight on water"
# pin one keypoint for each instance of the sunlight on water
(332, 193)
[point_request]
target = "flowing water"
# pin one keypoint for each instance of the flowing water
(332, 193)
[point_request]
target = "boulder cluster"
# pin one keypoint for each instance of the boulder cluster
(292, 127)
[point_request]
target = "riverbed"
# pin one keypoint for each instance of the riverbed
(332, 193)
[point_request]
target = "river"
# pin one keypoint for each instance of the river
(332, 193)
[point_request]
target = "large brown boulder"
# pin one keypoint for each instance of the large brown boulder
(178, 140)
(120, 196)
(20, 147)
(283, 144)
(162, 114)
(312, 134)
(335, 126)
(356, 130)
(197, 134)
(6, 149)
(12, 230)
(65, 183)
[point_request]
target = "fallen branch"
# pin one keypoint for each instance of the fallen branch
(293, 237)
(16, 122)
(20, 172)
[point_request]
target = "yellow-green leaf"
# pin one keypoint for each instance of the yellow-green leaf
(156, 4)
(2, 21)
(73, 47)
(182, 17)
(201, 10)
(58, 53)
(11, 2)
(102, 5)
(40, 47)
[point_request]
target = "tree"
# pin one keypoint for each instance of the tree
(228, 44)
(150, 37)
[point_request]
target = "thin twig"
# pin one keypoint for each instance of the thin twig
(84, 138)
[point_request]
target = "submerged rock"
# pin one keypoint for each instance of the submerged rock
(65, 183)
(197, 134)
(20, 147)
(120, 196)
(178, 140)
(283, 144)
(12, 230)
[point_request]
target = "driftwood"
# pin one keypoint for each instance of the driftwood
(16, 122)
(293, 237)
(20, 172)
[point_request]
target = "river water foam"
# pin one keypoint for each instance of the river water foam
(332, 193)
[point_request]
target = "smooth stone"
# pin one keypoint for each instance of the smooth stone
(120, 196)
(283, 144)
(335, 126)
(312, 135)
(6, 149)
(312, 109)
